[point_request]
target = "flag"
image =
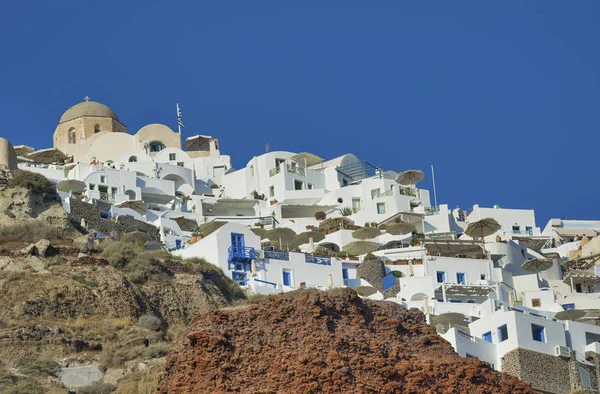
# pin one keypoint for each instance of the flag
(179, 117)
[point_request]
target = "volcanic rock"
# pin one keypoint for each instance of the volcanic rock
(311, 341)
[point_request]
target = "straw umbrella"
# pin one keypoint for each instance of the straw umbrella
(410, 177)
(283, 234)
(570, 314)
(259, 231)
(304, 238)
(136, 237)
(210, 227)
(482, 228)
(449, 319)
(400, 228)
(48, 156)
(360, 247)
(71, 186)
(537, 265)
(137, 205)
(366, 233)
(185, 224)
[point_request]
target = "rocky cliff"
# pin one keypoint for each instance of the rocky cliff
(311, 341)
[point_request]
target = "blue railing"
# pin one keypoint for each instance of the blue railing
(266, 282)
(241, 252)
(317, 260)
(271, 254)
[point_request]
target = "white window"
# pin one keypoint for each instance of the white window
(172, 156)
(102, 178)
(355, 205)
(381, 207)
(374, 193)
(72, 136)
(180, 164)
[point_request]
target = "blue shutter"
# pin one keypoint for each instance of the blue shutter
(488, 337)
(460, 278)
(287, 278)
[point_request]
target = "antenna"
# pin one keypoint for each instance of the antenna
(434, 193)
(267, 148)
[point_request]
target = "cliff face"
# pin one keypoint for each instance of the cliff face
(311, 342)
(42, 311)
(18, 205)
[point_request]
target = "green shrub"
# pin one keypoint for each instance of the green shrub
(345, 211)
(37, 367)
(30, 232)
(12, 384)
(397, 274)
(36, 183)
(370, 256)
(365, 291)
(114, 358)
(230, 289)
(119, 254)
(150, 322)
(97, 388)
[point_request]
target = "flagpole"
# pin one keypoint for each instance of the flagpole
(178, 122)
(434, 192)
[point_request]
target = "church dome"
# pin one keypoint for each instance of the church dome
(88, 108)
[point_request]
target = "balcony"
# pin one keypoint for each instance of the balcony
(386, 194)
(408, 191)
(291, 168)
(296, 170)
(312, 259)
(240, 254)
(434, 210)
(107, 197)
(271, 254)
(527, 231)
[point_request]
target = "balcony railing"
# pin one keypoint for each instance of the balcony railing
(528, 231)
(432, 210)
(408, 191)
(275, 171)
(290, 168)
(318, 260)
(241, 253)
(271, 254)
(386, 194)
(296, 170)
(107, 197)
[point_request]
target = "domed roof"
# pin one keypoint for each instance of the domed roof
(88, 108)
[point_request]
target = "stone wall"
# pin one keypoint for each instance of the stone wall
(548, 374)
(122, 225)
(373, 272)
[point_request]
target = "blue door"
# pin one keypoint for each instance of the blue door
(237, 241)
(345, 273)
(177, 244)
(488, 337)
(460, 278)
(287, 278)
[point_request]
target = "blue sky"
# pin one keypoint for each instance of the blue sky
(502, 97)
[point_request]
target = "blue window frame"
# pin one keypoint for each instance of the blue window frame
(237, 241)
(566, 307)
(460, 278)
(441, 276)
(482, 276)
(538, 333)
(287, 278)
(487, 336)
(502, 333)
(345, 273)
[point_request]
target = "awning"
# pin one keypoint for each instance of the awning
(234, 203)
(453, 246)
(23, 150)
(580, 277)
(574, 231)
(308, 158)
(466, 290)
(404, 217)
(157, 198)
(197, 141)
(303, 211)
(47, 156)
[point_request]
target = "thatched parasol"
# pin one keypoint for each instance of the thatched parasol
(366, 233)
(360, 247)
(210, 227)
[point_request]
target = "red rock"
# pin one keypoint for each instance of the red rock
(311, 341)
